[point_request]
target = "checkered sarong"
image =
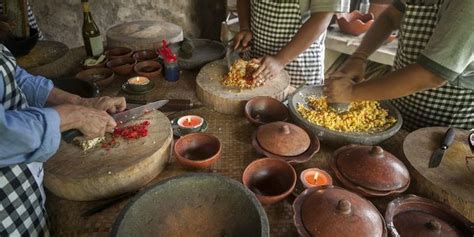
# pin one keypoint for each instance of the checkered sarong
(273, 25)
(22, 211)
(447, 105)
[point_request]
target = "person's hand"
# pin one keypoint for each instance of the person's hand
(105, 103)
(339, 90)
(91, 122)
(270, 67)
(353, 69)
(242, 41)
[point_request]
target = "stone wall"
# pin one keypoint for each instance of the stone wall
(61, 20)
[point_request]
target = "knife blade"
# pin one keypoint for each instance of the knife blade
(437, 156)
(120, 118)
(471, 141)
(172, 105)
(131, 114)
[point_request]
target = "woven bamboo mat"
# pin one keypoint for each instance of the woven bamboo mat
(235, 135)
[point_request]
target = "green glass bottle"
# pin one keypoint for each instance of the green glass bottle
(90, 33)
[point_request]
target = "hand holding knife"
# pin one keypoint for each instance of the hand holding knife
(437, 156)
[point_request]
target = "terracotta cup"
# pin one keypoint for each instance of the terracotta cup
(145, 55)
(197, 150)
(265, 109)
(121, 66)
(271, 180)
(150, 69)
(102, 77)
(118, 52)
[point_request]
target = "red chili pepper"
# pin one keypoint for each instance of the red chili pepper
(135, 131)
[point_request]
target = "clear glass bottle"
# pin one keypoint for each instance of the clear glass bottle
(364, 6)
(90, 33)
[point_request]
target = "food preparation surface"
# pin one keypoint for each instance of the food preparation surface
(102, 173)
(456, 184)
(234, 133)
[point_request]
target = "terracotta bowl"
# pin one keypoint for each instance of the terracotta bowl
(271, 180)
(355, 23)
(265, 109)
(145, 55)
(150, 69)
(102, 77)
(197, 150)
(118, 52)
(121, 66)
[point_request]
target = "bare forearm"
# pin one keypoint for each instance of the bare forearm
(403, 82)
(306, 35)
(387, 22)
(243, 9)
(59, 97)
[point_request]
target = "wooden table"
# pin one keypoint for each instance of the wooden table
(235, 136)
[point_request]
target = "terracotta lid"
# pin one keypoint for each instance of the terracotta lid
(415, 216)
(283, 139)
(332, 211)
(371, 167)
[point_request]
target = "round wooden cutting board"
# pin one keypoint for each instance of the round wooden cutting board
(140, 35)
(232, 101)
(75, 175)
(452, 182)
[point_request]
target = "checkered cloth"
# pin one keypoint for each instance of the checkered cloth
(22, 211)
(273, 25)
(31, 19)
(447, 105)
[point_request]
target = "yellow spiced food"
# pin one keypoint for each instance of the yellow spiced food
(240, 75)
(364, 116)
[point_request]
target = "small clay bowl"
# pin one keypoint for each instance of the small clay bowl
(102, 77)
(272, 180)
(121, 66)
(118, 52)
(355, 23)
(99, 65)
(265, 109)
(138, 83)
(150, 69)
(145, 55)
(197, 150)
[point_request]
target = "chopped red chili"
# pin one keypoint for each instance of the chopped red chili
(135, 131)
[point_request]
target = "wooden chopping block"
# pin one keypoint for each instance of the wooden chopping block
(141, 35)
(50, 59)
(226, 100)
(452, 182)
(75, 175)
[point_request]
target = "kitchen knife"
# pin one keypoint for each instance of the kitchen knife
(437, 156)
(172, 105)
(471, 141)
(120, 118)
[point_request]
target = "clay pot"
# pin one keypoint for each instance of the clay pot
(102, 77)
(118, 52)
(197, 150)
(285, 141)
(270, 179)
(150, 69)
(355, 23)
(329, 211)
(413, 216)
(265, 109)
(122, 65)
(369, 170)
(145, 55)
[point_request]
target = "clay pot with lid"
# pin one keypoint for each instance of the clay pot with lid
(413, 216)
(369, 170)
(329, 211)
(285, 141)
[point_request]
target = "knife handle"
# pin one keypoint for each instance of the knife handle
(69, 135)
(448, 138)
(177, 105)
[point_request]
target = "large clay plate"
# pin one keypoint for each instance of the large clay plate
(197, 205)
(335, 137)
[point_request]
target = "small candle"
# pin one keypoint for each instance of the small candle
(138, 81)
(315, 177)
(190, 121)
